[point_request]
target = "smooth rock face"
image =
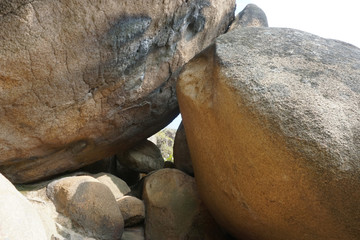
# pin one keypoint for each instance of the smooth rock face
(117, 186)
(80, 80)
(285, 105)
(182, 158)
(132, 210)
(89, 204)
(143, 158)
(174, 210)
(250, 16)
(19, 220)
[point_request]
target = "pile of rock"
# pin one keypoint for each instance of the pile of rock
(101, 206)
(271, 121)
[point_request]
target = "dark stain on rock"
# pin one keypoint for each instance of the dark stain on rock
(128, 28)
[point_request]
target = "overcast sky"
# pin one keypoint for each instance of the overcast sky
(329, 19)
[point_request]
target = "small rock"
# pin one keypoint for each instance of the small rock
(132, 210)
(89, 204)
(19, 220)
(182, 158)
(144, 157)
(250, 16)
(117, 186)
(173, 208)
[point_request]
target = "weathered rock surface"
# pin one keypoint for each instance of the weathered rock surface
(132, 210)
(80, 80)
(116, 185)
(182, 158)
(19, 220)
(250, 16)
(164, 140)
(173, 208)
(143, 158)
(89, 204)
(285, 105)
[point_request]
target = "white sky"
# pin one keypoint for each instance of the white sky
(328, 19)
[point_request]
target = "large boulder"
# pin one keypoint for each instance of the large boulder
(19, 220)
(81, 80)
(89, 204)
(272, 121)
(174, 210)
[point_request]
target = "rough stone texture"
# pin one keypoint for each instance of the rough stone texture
(19, 220)
(250, 16)
(89, 204)
(143, 158)
(182, 158)
(80, 80)
(285, 105)
(132, 210)
(164, 140)
(117, 186)
(174, 210)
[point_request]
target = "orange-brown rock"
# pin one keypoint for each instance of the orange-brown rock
(272, 120)
(81, 80)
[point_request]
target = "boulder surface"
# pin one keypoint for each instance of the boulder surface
(272, 121)
(89, 204)
(174, 210)
(144, 157)
(80, 80)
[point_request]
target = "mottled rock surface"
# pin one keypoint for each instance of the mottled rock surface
(182, 158)
(164, 140)
(250, 16)
(89, 204)
(174, 210)
(80, 80)
(285, 105)
(19, 220)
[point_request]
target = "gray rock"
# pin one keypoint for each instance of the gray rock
(182, 158)
(174, 210)
(132, 210)
(143, 158)
(274, 115)
(19, 220)
(117, 186)
(82, 80)
(89, 204)
(250, 16)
